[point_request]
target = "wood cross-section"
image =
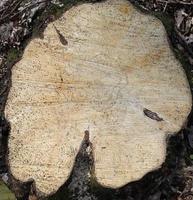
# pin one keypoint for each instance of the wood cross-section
(112, 75)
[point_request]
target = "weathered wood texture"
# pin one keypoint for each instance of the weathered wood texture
(97, 69)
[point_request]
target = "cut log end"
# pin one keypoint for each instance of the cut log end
(105, 69)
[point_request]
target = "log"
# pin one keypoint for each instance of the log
(103, 69)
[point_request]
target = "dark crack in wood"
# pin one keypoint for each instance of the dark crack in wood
(152, 115)
(61, 37)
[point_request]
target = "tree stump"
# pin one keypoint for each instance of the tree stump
(103, 69)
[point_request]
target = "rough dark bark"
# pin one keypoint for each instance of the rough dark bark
(18, 21)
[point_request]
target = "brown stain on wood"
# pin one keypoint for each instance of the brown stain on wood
(148, 59)
(68, 56)
(145, 60)
(125, 9)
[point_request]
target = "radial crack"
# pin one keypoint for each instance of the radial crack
(61, 37)
(152, 115)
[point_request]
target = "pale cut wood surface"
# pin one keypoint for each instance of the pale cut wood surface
(114, 63)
